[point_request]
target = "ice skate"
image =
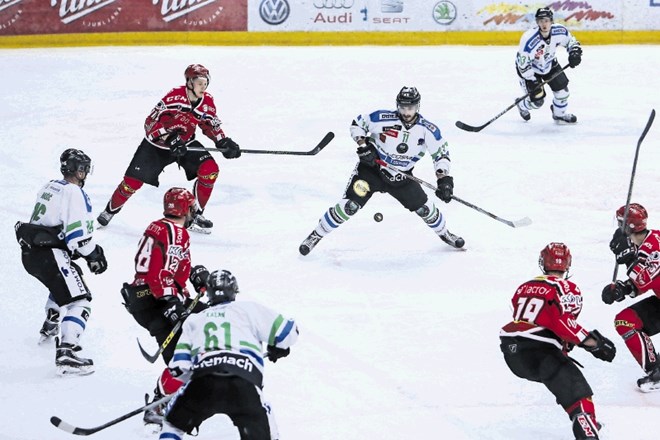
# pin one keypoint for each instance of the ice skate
(309, 243)
(524, 113)
(69, 364)
(566, 118)
(104, 218)
(201, 224)
(50, 327)
(153, 418)
(452, 240)
(650, 382)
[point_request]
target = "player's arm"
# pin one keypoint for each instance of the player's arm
(643, 276)
(278, 332)
(78, 225)
(181, 361)
(360, 129)
(524, 59)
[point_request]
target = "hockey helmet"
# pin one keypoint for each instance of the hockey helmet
(221, 287)
(636, 220)
(73, 160)
(178, 202)
(408, 96)
(555, 257)
(544, 13)
(197, 71)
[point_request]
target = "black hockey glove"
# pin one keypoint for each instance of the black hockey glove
(368, 154)
(96, 260)
(445, 188)
(574, 56)
(198, 276)
(229, 148)
(623, 248)
(274, 353)
(617, 291)
(176, 145)
(173, 309)
(604, 348)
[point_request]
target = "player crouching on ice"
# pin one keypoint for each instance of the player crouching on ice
(400, 138)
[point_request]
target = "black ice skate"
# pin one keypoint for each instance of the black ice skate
(650, 382)
(566, 118)
(524, 113)
(452, 240)
(309, 243)
(201, 224)
(104, 218)
(51, 326)
(153, 418)
(69, 364)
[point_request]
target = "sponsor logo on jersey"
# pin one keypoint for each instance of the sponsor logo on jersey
(387, 116)
(402, 148)
(224, 359)
(428, 125)
(391, 133)
(274, 12)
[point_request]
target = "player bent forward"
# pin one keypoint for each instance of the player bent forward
(544, 329)
(400, 138)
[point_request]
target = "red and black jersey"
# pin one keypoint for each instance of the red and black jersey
(163, 259)
(546, 309)
(645, 273)
(175, 112)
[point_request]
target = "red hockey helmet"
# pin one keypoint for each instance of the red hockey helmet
(178, 202)
(197, 71)
(555, 257)
(636, 220)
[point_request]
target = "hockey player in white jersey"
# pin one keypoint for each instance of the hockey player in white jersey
(59, 231)
(537, 62)
(219, 356)
(400, 138)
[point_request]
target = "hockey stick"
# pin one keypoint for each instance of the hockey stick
(64, 426)
(321, 145)
(166, 342)
(630, 186)
(466, 127)
(514, 224)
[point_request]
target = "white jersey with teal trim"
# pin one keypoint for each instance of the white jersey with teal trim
(403, 146)
(61, 203)
(536, 54)
(237, 329)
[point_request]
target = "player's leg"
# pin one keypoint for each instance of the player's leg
(532, 102)
(559, 86)
(201, 167)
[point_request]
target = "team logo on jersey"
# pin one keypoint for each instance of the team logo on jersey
(402, 148)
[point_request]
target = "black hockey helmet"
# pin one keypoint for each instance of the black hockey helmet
(73, 160)
(408, 96)
(221, 287)
(544, 13)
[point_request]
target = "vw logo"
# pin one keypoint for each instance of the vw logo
(274, 11)
(333, 4)
(402, 148)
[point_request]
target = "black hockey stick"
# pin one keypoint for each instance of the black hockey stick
(466, 127)
(166, 342)
(64, 426)
(514, 224)
(321, 145)
(630, 186)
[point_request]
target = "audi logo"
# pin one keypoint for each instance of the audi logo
(274, 11)
(333, 4)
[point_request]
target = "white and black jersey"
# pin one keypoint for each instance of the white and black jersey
(537, 54)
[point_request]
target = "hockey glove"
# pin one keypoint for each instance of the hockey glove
(574, 56)
(96, 260)
(198, 276)
(604, 348)
(623, 248)
(229, 148)
(176, 145)
(274, 353)
(445, 188)
(368, 154)
(617, 291)
(173, 310)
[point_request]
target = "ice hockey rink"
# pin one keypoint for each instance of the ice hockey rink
(399, 332)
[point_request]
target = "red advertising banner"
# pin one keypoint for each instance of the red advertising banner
(31, 17)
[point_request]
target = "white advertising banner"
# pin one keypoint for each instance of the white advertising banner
(446, 15)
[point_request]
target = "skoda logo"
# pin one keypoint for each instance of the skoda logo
(333, 4)
(274, 11)
(402, 148)
(444, 12)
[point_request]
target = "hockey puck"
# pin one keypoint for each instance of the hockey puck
(378, 217)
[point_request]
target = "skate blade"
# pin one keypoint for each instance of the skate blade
(45, 339)
(649, 387)
(205, 231)
(151, 429)
(67, 371)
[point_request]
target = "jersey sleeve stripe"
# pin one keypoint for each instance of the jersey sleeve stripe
(287, 329)
(75, 234)
(273, 330)
(253, 355)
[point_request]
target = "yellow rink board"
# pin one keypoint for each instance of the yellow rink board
(310, 38)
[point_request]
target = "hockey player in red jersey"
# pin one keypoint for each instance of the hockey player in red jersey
(169, 131)
(544, 328)
(639, 249)
(157, 297)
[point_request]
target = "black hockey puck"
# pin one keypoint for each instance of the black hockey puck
(378, 217)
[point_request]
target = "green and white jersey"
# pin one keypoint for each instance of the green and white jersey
(64, 204)
(227, 339)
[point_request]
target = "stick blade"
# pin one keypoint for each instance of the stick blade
(466, 127)
(147, 356)
(324, 142)
(64, 426)
(526, 221)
